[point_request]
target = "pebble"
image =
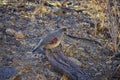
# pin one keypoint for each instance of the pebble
(91, 64)
(12, 18)
(10, 31)
(1, 25)
(98, 74)
(50, 73)
(108, 62)
(19, 35)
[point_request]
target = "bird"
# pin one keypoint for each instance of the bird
(50, 40)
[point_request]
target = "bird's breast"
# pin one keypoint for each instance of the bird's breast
(53, 43)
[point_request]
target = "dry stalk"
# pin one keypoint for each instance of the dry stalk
(112, 14)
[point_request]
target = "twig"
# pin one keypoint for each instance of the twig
(84, 39)
(62, 64)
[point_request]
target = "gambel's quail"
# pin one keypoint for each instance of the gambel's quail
(50, 40)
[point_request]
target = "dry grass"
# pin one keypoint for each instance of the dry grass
(104, 13)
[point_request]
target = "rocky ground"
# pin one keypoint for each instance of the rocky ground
(20, 32)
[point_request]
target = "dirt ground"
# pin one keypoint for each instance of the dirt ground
(20, 33)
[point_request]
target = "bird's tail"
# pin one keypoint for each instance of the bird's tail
(34, 49)
(39, 44)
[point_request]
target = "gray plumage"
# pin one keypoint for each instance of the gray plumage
(51, 40)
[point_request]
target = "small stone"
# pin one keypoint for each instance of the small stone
(50, 73)
(81, 49)
(93, 69)
(1, 14)
(75, 61)
(109, 62)
(1, 25)
(22, 12)
(10, 31)
(91, 63)
(12, 18)
(19, 35)
(23, 42)
(98, 74)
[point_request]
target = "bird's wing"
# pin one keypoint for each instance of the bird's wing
(50, 38)
(53, 40)
(44, 41)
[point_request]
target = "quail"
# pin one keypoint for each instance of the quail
(50, 40)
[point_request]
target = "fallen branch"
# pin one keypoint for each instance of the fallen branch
(84, 39)
(62, 64)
